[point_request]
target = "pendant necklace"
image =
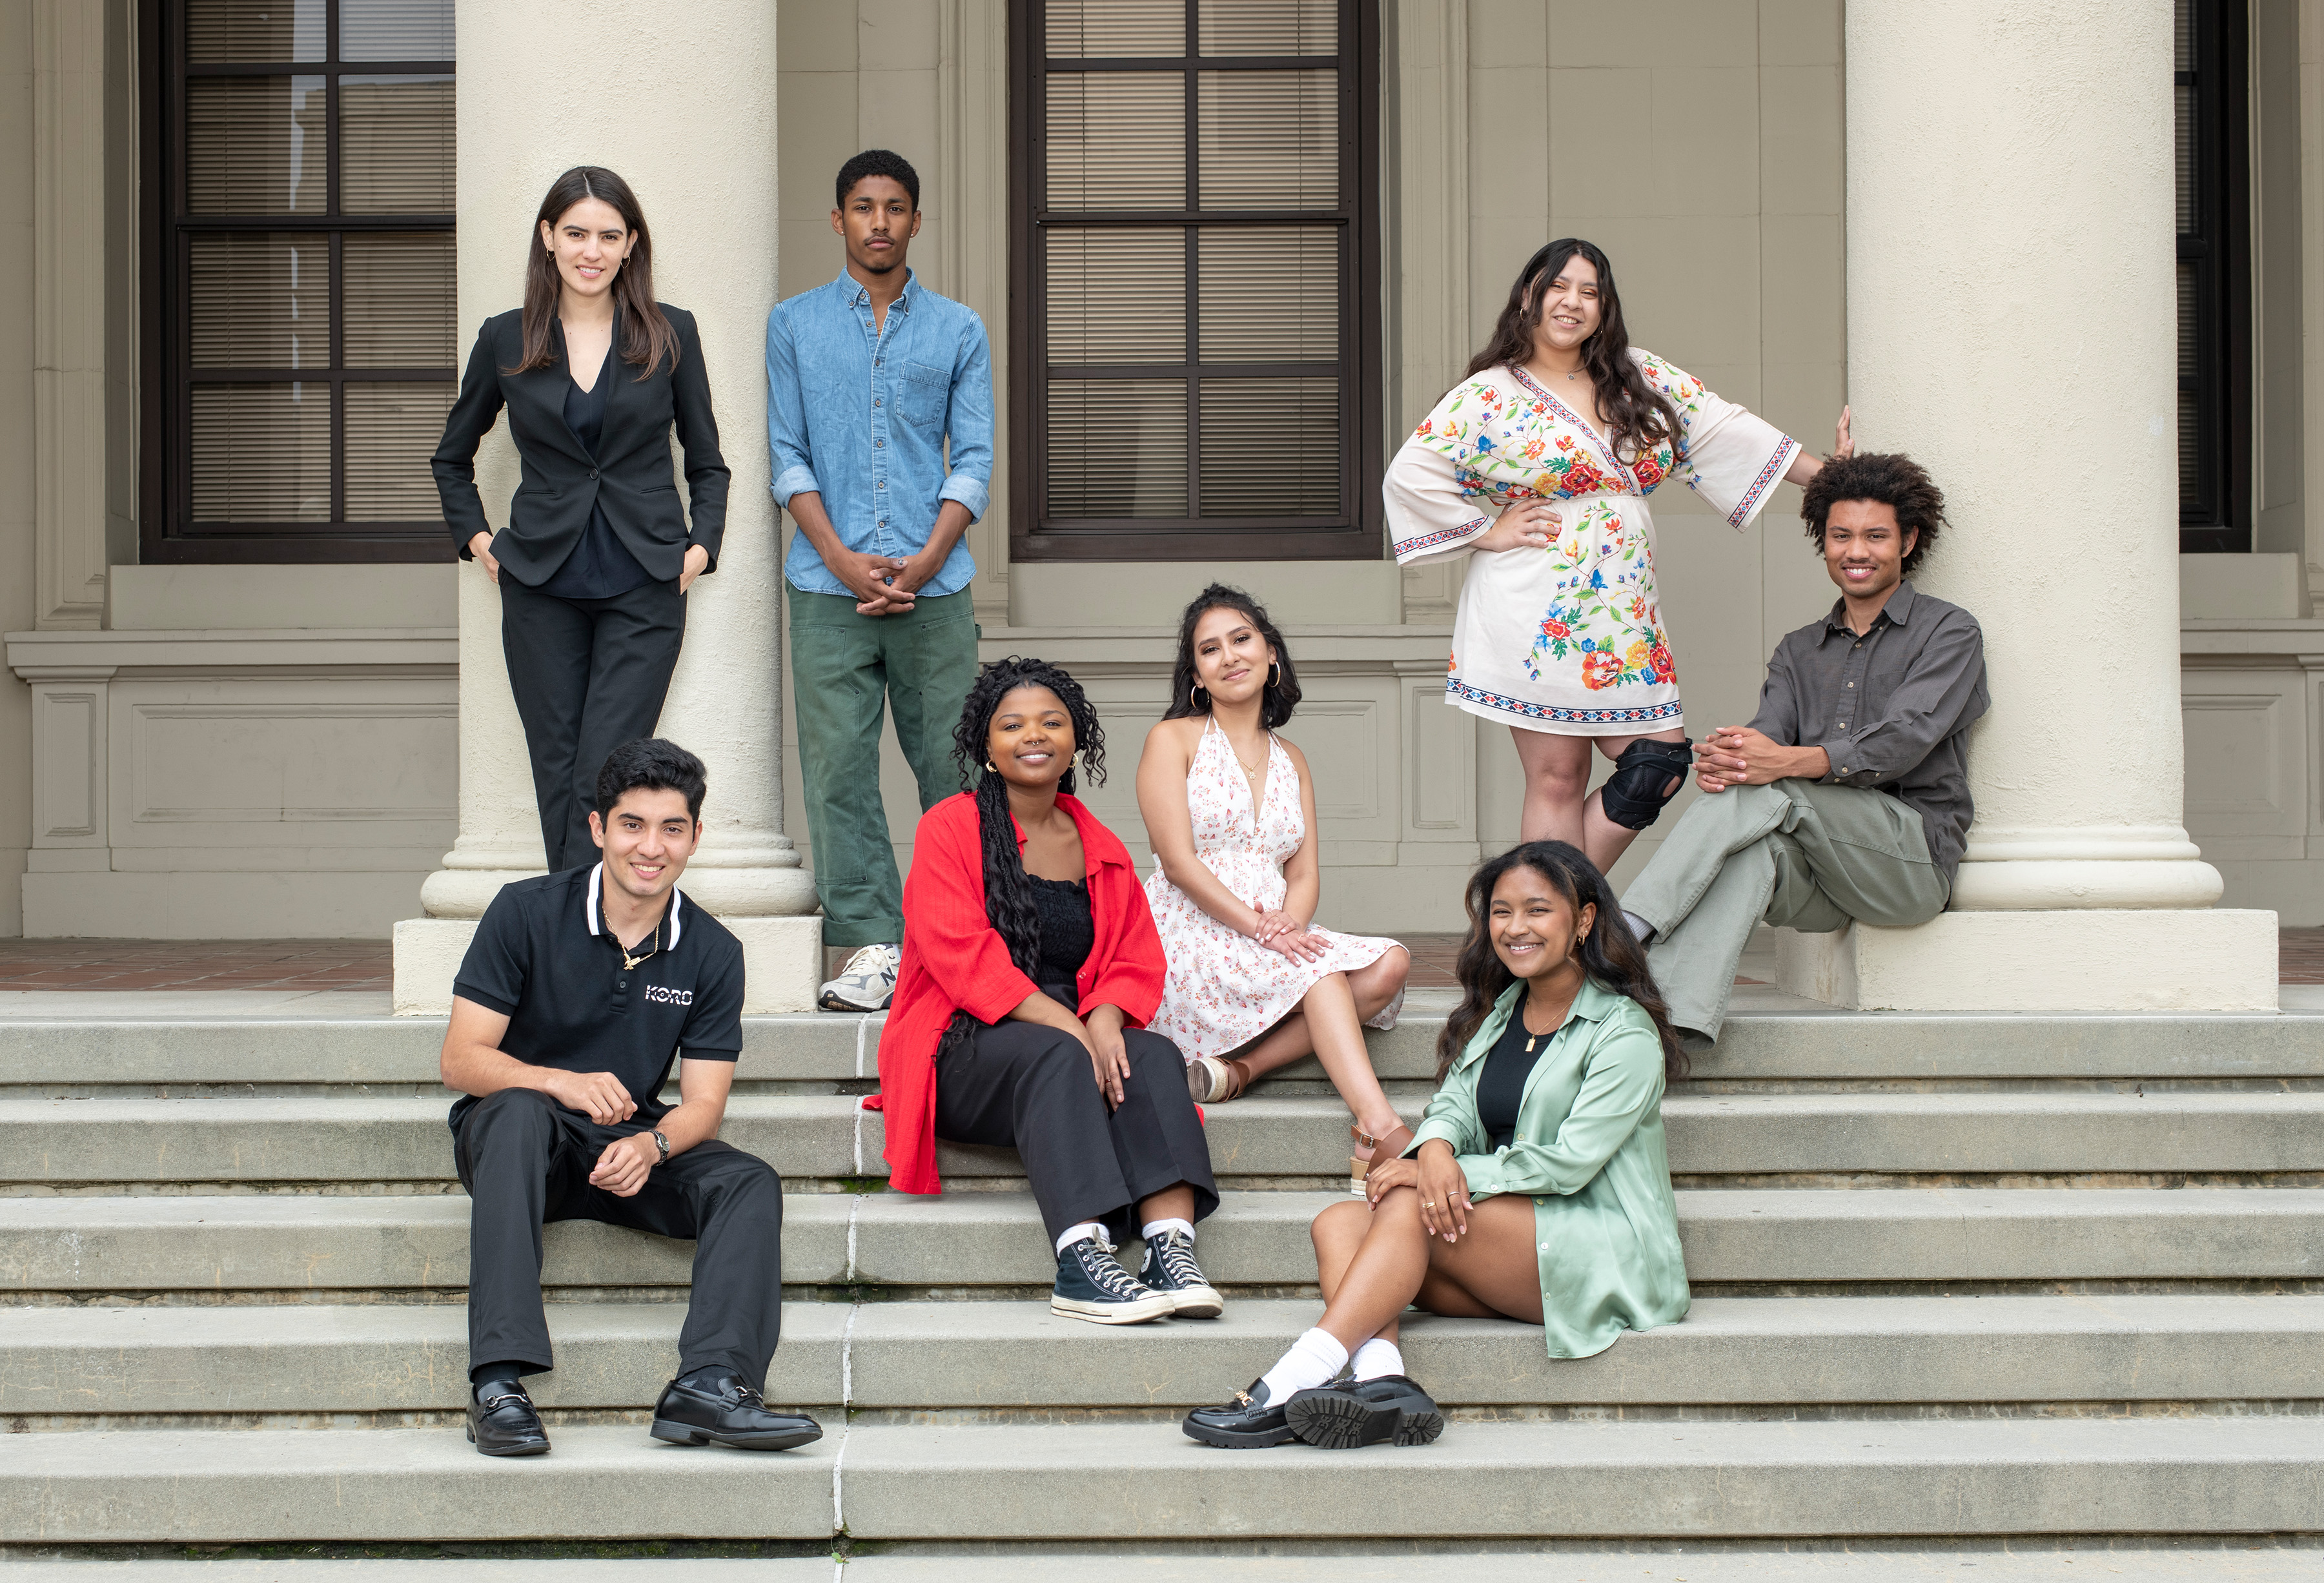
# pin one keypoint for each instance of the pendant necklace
(628, 962)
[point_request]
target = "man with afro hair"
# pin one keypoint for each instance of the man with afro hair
(1846, 797)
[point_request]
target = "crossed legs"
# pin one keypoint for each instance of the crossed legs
(1330, 1024)
(1375, 1262)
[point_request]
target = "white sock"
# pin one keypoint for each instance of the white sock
(1376, 1359)
(1314, 1359)
(1072, 1234)
(1639, 926)
(1154, 1229)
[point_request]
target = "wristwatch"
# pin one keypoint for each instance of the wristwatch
(662, 1144)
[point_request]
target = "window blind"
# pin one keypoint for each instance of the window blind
(1195, 215)
(308, 321)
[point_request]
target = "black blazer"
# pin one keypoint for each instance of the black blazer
(631, 477)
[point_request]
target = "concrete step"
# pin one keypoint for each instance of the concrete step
(302, 1360)
(287, 1242)
(2227, 1561)
(363, 1138)
(1791, 1044)
(1145, 1481)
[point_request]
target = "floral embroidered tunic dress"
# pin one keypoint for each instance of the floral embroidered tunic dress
(1569, 638)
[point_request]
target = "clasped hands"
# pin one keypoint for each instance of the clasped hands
(884, 584)
(1281, 933)
(626, 1162)
(1444, 1202)
(1735, 755)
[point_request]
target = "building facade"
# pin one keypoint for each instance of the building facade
(1228, 255)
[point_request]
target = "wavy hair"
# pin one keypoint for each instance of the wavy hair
(1281, 695)
(647, 335)
(1008, 890)
(1610, 955)
(1636, 415)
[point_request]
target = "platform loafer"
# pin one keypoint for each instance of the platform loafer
(506, 1424)
(731, 1412)
(1249, 1420)
(1391, 1410)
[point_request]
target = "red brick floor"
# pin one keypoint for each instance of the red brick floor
(366, 964)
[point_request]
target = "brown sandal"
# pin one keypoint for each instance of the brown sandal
(1214, 1081)
(1390, 1145)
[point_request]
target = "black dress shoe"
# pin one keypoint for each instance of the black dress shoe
(726, 1410)
(505, 1424)
(1390, 1409)
(1249, 1420)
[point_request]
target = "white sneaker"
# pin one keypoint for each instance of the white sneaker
(868, 982)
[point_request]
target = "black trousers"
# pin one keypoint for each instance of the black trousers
(588, 675)
(1024, 1086)
(524, 1160)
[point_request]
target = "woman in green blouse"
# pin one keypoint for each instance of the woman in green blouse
(1538, 1188)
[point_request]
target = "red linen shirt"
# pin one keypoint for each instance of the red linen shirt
(954, 960)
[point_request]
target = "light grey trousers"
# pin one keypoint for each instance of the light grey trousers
(1796, 853)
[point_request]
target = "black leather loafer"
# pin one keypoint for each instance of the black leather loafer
(1391, 1410)
(730, 1413)
(1249, 1420)
(505, 1424)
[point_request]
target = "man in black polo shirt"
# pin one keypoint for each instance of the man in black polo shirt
(577, 990)
(1846, 797)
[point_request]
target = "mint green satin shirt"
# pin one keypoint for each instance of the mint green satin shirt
(1589, 1151)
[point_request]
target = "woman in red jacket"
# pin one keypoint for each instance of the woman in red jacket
(1030, 968)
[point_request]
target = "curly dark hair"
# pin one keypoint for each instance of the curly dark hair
(1890, 477)
(1638, 415)
(1281, 695)
(877, 162)
(1008, 891)
(1610, 955)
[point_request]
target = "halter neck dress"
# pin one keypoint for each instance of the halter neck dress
(1223, 989)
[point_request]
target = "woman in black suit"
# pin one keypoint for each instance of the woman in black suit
(598, 554)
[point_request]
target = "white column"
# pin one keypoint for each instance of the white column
(2012, 323)
(680, 100)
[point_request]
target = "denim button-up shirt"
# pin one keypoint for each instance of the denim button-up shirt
(858, 412)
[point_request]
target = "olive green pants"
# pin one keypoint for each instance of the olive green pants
(1797, 853)
(845, 670)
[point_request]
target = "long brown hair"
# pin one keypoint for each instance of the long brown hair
(1610, 955)
(1636, 415)
(647, 337)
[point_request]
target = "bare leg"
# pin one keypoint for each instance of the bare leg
(1172, 1203)
(1557, 775)
(1373, 988)
(1603, 840)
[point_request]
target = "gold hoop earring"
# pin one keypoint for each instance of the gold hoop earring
(1274, 674)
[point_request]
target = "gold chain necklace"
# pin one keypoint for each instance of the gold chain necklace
(628, 962)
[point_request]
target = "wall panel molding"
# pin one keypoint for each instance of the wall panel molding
(69, 275)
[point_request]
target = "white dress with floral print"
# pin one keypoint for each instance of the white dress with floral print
(1224, 989)
(1570, 639)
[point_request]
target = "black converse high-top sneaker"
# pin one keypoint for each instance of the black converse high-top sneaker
(1092, 1285)
(1170, 1267)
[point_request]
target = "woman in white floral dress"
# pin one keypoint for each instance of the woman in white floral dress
(1230, 810)
(1538, 464)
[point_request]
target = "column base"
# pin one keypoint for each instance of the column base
(782, 961)
(2145, 959)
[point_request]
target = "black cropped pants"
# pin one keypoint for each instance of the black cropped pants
(1029, 1087)
(525, 1160)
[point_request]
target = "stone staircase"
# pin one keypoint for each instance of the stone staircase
(2041, 1296)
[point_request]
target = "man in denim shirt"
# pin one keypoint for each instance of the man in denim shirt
(866, 378)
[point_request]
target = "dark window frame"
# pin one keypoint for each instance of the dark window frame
(2219, 518)
(166, 530)
(1360, 532)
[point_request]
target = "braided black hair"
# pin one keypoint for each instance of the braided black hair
(1008, 892)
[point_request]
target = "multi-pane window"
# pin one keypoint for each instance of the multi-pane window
(1195, 346)
(2214, 288)
(306, 322)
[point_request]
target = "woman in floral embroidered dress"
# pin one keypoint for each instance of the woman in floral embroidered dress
(1539, 464)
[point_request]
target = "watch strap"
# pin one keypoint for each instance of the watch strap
(662, 1144)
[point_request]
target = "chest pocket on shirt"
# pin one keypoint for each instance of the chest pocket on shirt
(922, 393)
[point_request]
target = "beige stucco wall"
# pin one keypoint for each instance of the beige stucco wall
(16, 499)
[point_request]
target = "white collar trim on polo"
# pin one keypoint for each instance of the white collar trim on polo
(589, 910)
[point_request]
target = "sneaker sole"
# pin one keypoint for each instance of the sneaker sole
(1159, 1306)
(1197, 1303)
(829, 1002)
(686, 1434)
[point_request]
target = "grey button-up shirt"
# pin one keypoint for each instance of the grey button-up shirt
(1892, 709)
